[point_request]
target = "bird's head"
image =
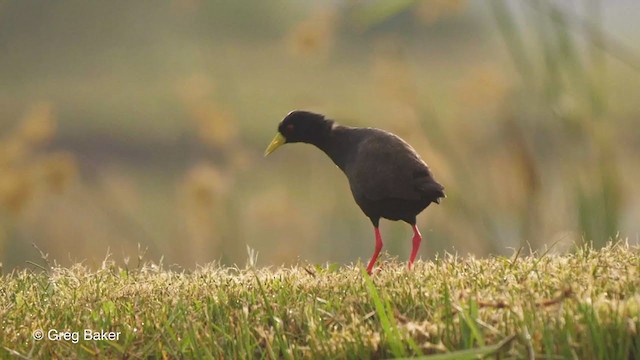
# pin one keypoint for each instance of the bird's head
(300, 126)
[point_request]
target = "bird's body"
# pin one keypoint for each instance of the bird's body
(388, 179)
(386, 176)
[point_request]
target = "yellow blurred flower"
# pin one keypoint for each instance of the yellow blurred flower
(314, 35)
(38, 126)
(202, 198)
(216, 125)
(240, 159)
(59, 169)
(16, 190)
(202, 187)
(24, 169)
(12, 151)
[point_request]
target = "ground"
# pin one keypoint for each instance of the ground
(584, 305)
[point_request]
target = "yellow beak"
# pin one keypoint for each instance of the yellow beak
(277, 141)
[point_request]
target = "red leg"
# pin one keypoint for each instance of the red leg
(376, 252)
(417, 239)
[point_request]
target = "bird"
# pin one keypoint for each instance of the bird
(387, 177)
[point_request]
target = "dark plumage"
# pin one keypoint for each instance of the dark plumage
(387, 177)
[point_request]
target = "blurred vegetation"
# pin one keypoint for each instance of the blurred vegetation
(124, 125)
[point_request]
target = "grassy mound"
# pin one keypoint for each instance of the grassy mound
(582, 305)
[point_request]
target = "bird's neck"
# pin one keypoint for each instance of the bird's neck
(335, 144)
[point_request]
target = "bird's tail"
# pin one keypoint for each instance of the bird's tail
(441, 195)
(435, 191)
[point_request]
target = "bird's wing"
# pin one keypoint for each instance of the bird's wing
(385, 167)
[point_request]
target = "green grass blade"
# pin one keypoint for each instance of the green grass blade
(470, 354)
(386, 319)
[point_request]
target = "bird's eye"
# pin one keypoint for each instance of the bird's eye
(290, 128)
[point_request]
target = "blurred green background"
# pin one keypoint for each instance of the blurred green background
(137, 127)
